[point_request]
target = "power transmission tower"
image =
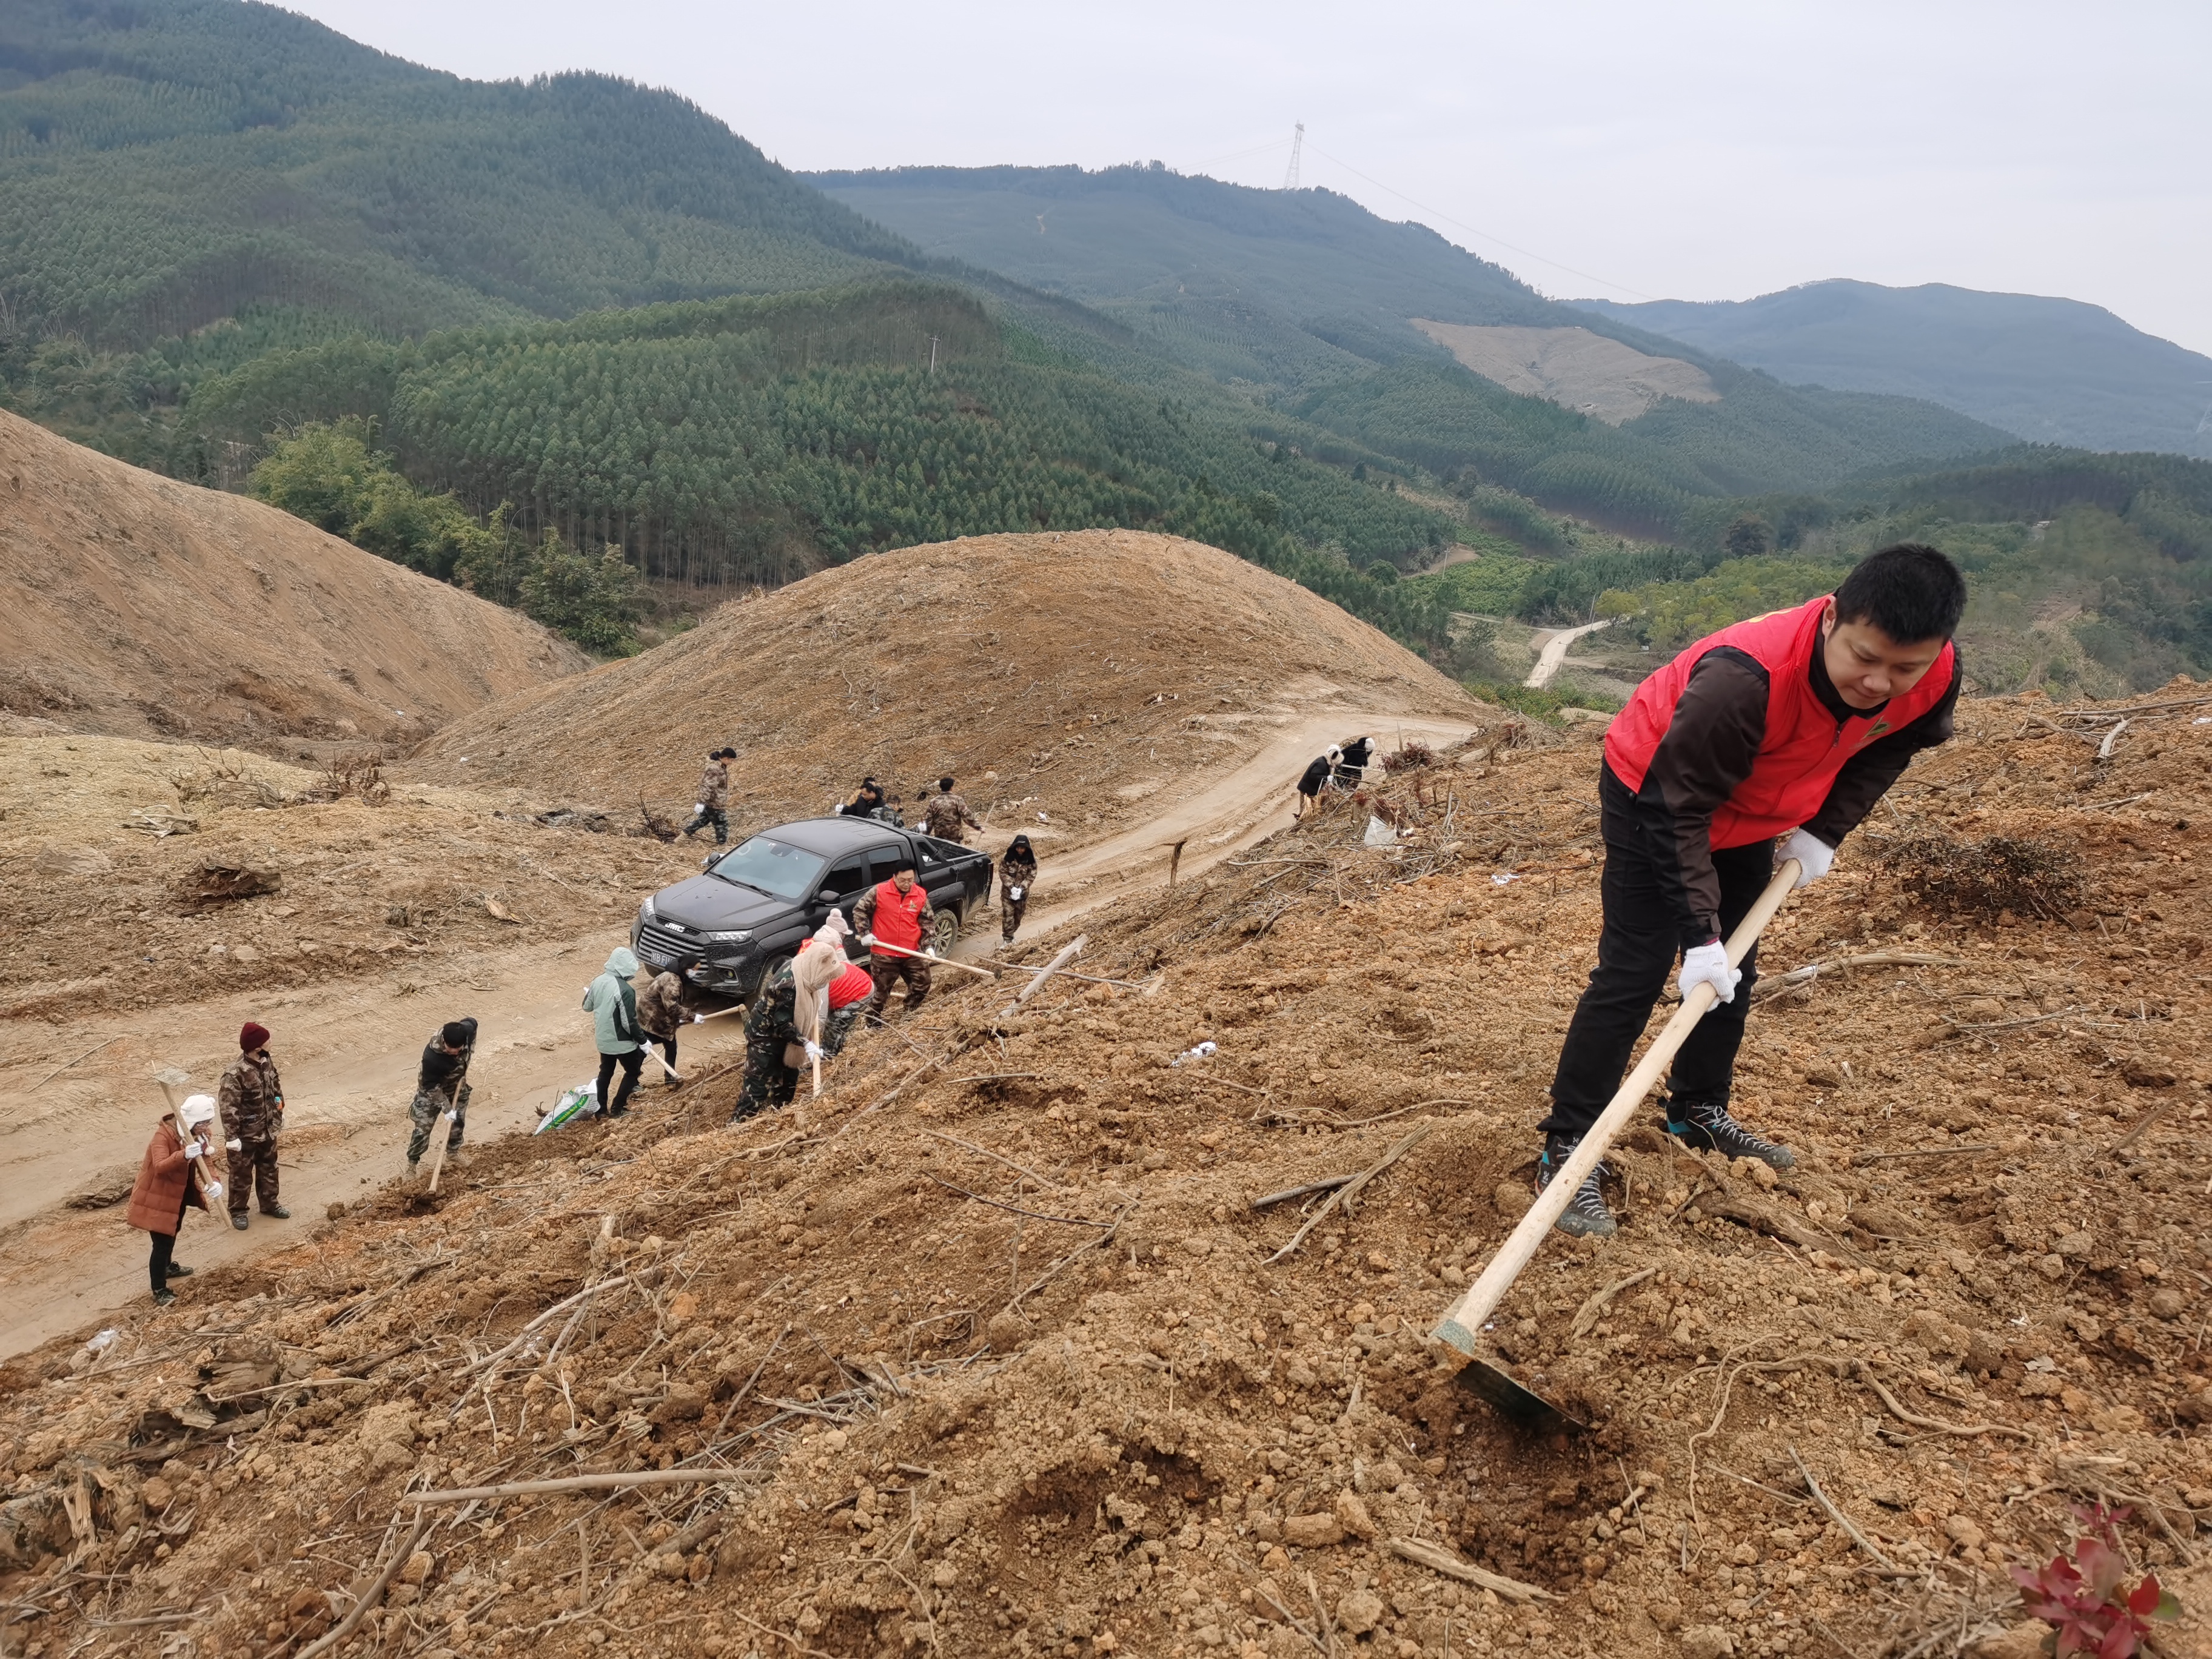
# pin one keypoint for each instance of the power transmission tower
(1297, 144)
(933, 354)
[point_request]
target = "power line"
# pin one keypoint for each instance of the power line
(1297, 145)
(1237, 155)
(1484, 235)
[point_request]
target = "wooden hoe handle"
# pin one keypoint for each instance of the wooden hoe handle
(1466, 1317)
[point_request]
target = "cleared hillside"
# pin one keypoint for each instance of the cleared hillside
(2049, 370)
(140, 606)
(1092, 671)
(989, 1353)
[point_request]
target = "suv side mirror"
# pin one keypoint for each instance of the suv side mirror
(825, 896)
(707, 863)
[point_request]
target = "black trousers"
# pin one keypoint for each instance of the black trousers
(631, 1063)
(165, 1245)
(1636, 951)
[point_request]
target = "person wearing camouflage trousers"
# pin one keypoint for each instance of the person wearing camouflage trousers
(442, 1086)
(770, 1030)
(252, 1099)
(1017, 873)
(714, 803)
(945, 815)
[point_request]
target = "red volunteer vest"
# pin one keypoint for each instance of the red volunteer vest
(1805, 745)
(850, 986)
(898, 915)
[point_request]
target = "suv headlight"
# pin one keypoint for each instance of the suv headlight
(740, 936)
(646, 912)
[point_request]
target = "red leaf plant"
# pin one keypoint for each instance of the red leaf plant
(2082, 1600)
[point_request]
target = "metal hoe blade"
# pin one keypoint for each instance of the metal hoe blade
(1514, 1400)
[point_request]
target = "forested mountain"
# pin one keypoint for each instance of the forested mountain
(1306, 299)
(2051, 371)
(1290, 288)
(753, 439)
(166, 163)
(542, 338)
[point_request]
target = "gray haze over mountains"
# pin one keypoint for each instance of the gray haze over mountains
(2053, 371)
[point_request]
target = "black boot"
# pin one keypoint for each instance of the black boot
(1586, 1213)
(1711, 1129)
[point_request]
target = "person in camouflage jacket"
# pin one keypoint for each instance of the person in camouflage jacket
(441, 1087)
(251, 1099)
(661, 1016)
(713, 804)
(945, 815)
(770, 1030)
(1017, 873)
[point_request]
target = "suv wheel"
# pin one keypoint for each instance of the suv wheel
(944, 933)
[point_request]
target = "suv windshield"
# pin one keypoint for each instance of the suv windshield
(770, 868)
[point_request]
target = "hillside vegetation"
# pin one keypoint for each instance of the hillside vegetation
(546, 339)
(2049, 370)
(165, 164)
(1304, 300)
(751, 441)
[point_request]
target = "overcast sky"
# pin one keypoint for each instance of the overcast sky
(1693, 149)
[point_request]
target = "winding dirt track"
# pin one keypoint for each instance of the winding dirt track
(349, 1050)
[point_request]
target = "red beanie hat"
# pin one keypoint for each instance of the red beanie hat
(251, 1035)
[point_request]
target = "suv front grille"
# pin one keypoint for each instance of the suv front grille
(660, 946)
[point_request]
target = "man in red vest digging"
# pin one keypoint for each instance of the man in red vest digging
(1791, 725)
(895, 912)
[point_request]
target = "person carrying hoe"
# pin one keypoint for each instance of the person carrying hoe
(897, 912)
(1791, 725)
(441, 1089)
(166, 1187)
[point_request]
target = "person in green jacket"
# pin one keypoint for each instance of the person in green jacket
(612, 1001)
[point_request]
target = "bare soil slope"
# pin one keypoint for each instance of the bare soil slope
(1573, 366)
(1096, 673)
(987, 1354)
(139, 605)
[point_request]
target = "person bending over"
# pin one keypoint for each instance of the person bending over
(1790, 725)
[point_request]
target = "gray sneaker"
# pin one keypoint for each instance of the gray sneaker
(1586, 1213)
(1711, 1129)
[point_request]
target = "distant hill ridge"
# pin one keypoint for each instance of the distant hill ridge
(165, 163)
(2049, 370)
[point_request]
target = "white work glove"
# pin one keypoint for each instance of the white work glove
(215, 1189)
(449, 1116)
(1708, 964)
(193, 1149)
(1812, 855)
(698, 1019)
(814, 1051)
(698, 807)
(235, 1145)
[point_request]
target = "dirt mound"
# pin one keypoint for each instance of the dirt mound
(147, 874)
(143, 606)
(1099, 674)
(987, 1351)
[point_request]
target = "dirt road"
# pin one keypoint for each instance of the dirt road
(1554, 651)
(1220, 817)
(348, 1049)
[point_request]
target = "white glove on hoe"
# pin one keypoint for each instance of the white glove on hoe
(1708, 964)
(1812, 855)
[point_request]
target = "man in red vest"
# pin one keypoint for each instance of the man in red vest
(1790, 725)
(896, 912)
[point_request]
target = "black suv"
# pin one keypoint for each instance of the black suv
(750, 909)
